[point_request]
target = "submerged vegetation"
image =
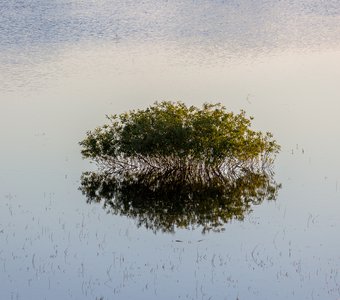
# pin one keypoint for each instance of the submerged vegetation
(176, 166)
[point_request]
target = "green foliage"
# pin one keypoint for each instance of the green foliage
(176, 166)
(172, 135)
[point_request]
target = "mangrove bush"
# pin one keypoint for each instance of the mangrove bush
(172, 138)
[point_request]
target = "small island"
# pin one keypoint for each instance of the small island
(171, 165)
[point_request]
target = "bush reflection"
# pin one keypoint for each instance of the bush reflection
(165, 203)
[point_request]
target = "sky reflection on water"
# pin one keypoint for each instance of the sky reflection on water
(65, 64)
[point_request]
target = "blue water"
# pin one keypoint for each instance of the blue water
(64, 65)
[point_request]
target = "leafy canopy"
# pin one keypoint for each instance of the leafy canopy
(172, 131)
(176, 166)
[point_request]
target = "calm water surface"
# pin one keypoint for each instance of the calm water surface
(64, 65)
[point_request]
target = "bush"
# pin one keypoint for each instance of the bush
(206, 142)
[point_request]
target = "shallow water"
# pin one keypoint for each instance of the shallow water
(64, 65)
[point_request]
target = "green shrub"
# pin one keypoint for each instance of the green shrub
(169, 135)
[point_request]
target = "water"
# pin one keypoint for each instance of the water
(65, 64)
